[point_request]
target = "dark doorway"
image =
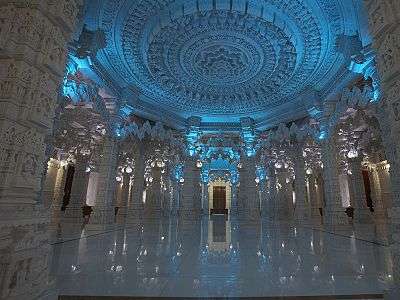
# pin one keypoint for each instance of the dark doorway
(68, 186)
(219, 200)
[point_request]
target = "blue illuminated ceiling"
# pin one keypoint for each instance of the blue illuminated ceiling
(222, 60)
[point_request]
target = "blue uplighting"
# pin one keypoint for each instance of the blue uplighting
(322, 135)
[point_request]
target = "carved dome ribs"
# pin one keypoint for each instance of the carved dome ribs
(198, 59)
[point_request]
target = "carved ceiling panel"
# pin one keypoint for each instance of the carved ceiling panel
(220, 57)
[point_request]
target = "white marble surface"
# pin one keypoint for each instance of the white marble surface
(218, 258)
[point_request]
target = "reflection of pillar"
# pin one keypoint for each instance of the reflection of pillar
(80, 182)
(103, 211)
(262, 194)
(234, 200)
(301, 212)
(386, 188)
(175, 186)
(205, 223)
(124, 197)
(319, 180)
(362, 213)
(135, 209)
(312, 191)
(152, 206)
(181, 206)
(190, 202)
(269, 209)
(204, 196)
(284, 195)
(333, 213)
(166, 196)
(247, 191)
(376, 193)
(264, 199)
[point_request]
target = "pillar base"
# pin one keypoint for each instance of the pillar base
(166, 213)
(173, 212)
(24, 235)
(315, 213)
(280, 215)
(392, 294)
(189, 214)
(335, 217)
(121, 215)
(363, 216)
(134, 215)
(55, 214)
(249, 215)
(205, 211)
(379, 216)
(268, 215)
(102, 215)
(301, 215)
(72, 214)
(234, 211)
(152, 213)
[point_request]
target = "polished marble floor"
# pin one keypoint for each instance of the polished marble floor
(218, 257)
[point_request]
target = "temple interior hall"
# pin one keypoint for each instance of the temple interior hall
(199, 149)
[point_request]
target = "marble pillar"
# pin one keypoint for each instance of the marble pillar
(247, 190)
(33, 42)
(50, 182)
(103, 210)
(190, 202)
(334, 213)
(73, 212)
(384, 21)
(362, 213)
(59, 186)
(301, 212)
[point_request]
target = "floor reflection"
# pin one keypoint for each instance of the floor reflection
(218, 256)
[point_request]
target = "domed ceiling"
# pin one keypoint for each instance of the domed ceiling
(222, 59)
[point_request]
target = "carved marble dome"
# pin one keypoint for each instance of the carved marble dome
(222, 59)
